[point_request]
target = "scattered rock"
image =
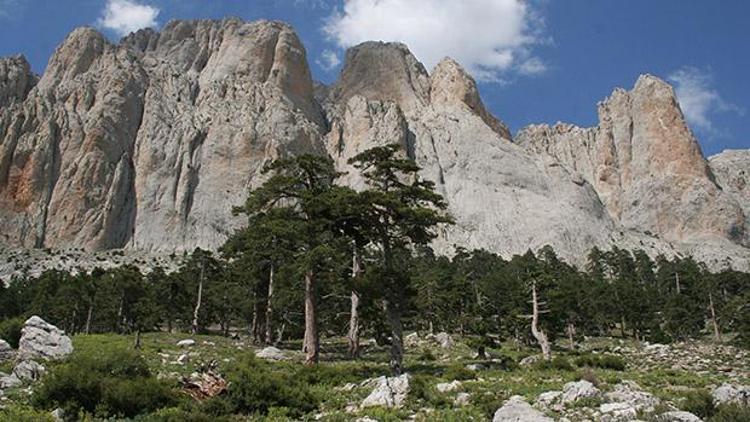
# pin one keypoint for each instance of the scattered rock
(517, 410)
(204, 385)
(474, 367)
(444, 340)
(41, 340)
(183, 359)
(28, 370)
(728, 393)
(618, 410)
(58, 415)
(631, 394)
(574, 391)
(550, 400)
(678, 416)
(447, 387)
(411, 340)
(9, 381)
(389, 392)
(462, 399)
(186, 343)
(271, 353)
(529, 360)
(6, 352)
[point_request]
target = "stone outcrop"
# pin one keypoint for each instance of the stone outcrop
(732, 171)
(516, 409)
(42, 341)
(388, 391)
(6, 352)
(148, 143)
(649, 172)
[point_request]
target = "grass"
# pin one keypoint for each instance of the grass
(499, 378)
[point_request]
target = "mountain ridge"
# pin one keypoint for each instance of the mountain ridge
(148, 143)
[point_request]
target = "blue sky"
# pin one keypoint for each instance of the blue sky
(538, 61)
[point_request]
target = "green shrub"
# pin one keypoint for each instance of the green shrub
(458, 372)
(427, 355)
(255, 388)
(699, 403)
(15, 413)
(558, 363)
(111, 382)
(604, 362)
(731, 413)
(423, 388)
(10, 331)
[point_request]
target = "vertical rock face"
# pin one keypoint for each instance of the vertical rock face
(150, 143)
(647, 167)
(503, 198)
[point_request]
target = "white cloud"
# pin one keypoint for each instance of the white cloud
(126, 16)
(488, 37)
(328, 60)
(699, 101)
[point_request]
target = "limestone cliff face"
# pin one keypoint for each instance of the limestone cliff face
(732, 171)
(147, 144)
(647, 167)
(504, 198)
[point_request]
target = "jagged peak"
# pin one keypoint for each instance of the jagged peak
(451, 84)
(74, 56)
(383, 71)
(16, 79)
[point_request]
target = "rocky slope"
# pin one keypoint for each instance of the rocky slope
(148, 143)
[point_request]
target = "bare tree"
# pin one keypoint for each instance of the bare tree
(196, 321)
(353, 335)
(539, 335)
(269, 308)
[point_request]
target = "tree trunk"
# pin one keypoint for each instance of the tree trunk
(195, 325)
(269, 309)
(89, 315)
(397, 337)
(311, 346)
(571, 331)
(677, 282)
(538, 334)
(137, 344)
(353, 335)
(717, 333)
(119, 314)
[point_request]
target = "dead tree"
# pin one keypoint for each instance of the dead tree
(539, 335)
(195, 325)
(353, 335)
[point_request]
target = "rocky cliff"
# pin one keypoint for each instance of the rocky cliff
(148, 143)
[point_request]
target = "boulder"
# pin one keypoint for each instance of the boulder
(186, 343)
(517, 410)
(678, 416)
(462, 399)
(388, 392)
(9, 381)
(28, 370)
(728, 393)
(42, 341)
(574, 391)
(411, 340)
(447, 387)
(444, 340)
(530, 360)
(550, 400)
(618, 411)
(631, 394)
(6, 352)
(271, 353)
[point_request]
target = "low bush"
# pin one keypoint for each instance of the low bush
(604, 362)
(558, 363)
(699, 403)
(10, 331)
(458, 372)
(731, 413)
(113, 382)
(255, 389)
(422, 388)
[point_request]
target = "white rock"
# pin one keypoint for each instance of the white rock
(630, 393)
(447, 387)
(186, 343)
(183, 359)
(619, 410)
(271, 353)
(41, 340)
(9, 381)
(517, 410)
(389, 392)
(444, 340)
(6, 352)
(29, 370)
(574, 391)
(462, 399)
(529, 360)
(678, 416)
(728, 393)
(58, 415)
(550, 400)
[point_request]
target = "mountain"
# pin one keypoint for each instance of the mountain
(147, 144)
